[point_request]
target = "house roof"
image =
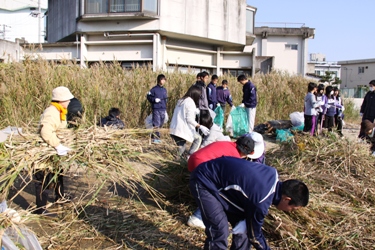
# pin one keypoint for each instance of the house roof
(13, 5)
(371, 60)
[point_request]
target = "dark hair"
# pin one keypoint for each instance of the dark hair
(320, 87)
(366, 125)
(214, 77)
(224, 82)
(311, 86)
(160, 77)
(114, 112)
(245, 144)
(204, 74)
(297, 191)
(372, 83)
(205, 118)
(328, 91)
(199, 75)
(241, 78)
(194, 92)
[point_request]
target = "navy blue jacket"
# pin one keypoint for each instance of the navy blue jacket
(111, 121)
(244, 188)
(211, 95)
(223, 96)
(158, 92)
(249, 95)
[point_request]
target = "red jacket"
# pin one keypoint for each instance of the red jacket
(213, 151)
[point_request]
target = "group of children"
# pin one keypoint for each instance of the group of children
(323, 109)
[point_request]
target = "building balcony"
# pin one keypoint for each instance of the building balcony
(119, 9)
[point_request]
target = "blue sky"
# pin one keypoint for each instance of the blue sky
(344, 29)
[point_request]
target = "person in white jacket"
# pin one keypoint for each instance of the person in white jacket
(183, 124)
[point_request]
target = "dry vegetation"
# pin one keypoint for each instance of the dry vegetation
(133, 195)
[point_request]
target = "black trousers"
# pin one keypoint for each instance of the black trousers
(44, 181)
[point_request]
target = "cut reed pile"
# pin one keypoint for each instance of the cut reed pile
(339, 174)
(107, 154)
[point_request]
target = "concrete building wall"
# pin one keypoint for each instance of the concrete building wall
(61, 19)
(10, 51)
(220, 20)
(214, 19)
(355, 73)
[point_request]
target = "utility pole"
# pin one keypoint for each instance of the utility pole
(39, 21)
(3, 31)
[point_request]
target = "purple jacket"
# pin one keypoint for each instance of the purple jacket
(249, 95)
(211, 95)
(330, 105)
(223, 96)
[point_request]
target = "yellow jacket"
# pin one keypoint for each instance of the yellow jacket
(50, 123)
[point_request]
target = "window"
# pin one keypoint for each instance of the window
(249, 21)
(120, 6)
(237, 72)
(361, 70)
(291, 46)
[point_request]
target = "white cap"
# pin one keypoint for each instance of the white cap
(258, 145)
(61, 94)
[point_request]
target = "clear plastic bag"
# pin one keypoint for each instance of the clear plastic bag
(229, 124)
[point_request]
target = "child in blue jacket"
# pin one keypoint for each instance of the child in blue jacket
(158, 97)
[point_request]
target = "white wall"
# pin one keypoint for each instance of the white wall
(226, 21)
(351, 78)
(274, 46)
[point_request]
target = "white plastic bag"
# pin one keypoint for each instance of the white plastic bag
(297, 118)
(148, 120)
(212, 113)
(229, 125)
(23, 236)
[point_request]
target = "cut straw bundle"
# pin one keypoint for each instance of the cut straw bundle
(339, 174)
(110, 155)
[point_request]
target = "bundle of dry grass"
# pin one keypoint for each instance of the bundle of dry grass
(107, 154)
(340, 214)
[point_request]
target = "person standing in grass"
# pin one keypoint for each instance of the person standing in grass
(52, 120)
(211, 92)
(223, 95)
(158, 97)
(310, 108)
(202, 79)
(367, 111)
(329, 110)
(249, 99)
(183, 124)
(319, 99)
(339, 116)
(231, 190)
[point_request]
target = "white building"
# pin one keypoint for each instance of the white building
(356, 75)
(213, 35)
(23, 20)
(281, 48)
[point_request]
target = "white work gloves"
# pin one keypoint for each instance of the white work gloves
(204, 130)
(373, 154)
(157, 100)
(62, 150)
(12, 215)
(218, 105)
(197, 111)
(360, 114)
(240, 228)
(242, 105)
(211, 106)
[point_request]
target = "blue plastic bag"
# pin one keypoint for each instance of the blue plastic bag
(283, 135)
(240, 122)
(219, 118)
